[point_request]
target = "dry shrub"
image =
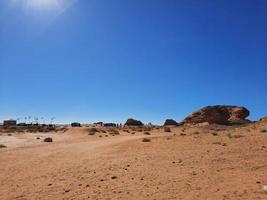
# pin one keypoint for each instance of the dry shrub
(114, 131)
(136, 128)
(167, 129)
(140, 129)
(229, 135)
(148, 128)
(92, 131)
(220, 143)
(214, 133)
(147, 133)
(146, 140)
(2, 146)
(49, 139)
(32, 129)
(216, 129)
(63, 129)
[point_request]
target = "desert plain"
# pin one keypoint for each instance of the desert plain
(188, 162)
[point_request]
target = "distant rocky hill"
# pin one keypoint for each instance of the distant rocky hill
(220, 114)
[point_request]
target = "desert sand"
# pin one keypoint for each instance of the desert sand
(188, 163)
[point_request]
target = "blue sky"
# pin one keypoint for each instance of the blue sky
(102, 60)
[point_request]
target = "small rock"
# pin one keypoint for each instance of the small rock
(264, 187)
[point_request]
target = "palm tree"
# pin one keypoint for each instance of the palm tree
(42, 119)
(29, 117)
(36, 120)
(52, 119)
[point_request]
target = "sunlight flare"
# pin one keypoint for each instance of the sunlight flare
(40, 4)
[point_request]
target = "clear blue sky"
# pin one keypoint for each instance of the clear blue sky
(103, 60)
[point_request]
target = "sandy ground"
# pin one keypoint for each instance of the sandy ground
(188, 164)
(23, 140)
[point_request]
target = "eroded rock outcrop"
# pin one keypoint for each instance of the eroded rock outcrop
(133, 122)
(170, 122)
(225, 115)
(263, 119)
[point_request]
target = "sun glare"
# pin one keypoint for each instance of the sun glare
(39, 4)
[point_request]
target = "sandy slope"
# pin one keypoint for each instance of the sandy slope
(231, 164)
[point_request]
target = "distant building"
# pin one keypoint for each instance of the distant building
(22, 124)
(98, 124)
(10, 122)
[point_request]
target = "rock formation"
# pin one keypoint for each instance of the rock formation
(225, 115)
(109, 125)
(133, 122)
(170, 122)
(75, 124)
(263, 119)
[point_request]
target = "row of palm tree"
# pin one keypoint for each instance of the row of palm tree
(34, 120)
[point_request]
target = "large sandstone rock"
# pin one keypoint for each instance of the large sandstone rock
(219, 115)
(170, 122)
(263, 119)
(133, 122)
